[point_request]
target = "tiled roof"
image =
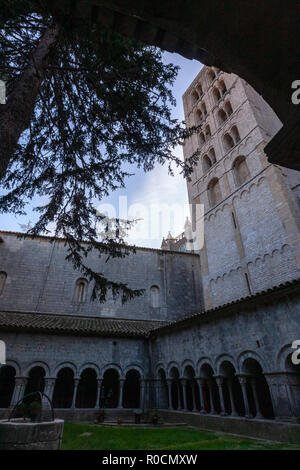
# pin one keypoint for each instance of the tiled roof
(75, 325)
(230, 307)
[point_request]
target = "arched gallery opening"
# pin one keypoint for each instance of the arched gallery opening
(232, 391)
(110, 389)
(162, 391)
(175, 389)
(87, 389)
(258, 391)
(35, 382)
(7, 385)
(64, 388)
(132, 389)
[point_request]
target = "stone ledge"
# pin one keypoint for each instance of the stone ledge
(22, 435)
(259, 429)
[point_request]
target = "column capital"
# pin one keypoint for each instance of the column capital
(21, 380)
(242, 378)
(50, 380)
(219, 379)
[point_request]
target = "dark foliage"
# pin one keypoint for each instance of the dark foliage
(102, 102)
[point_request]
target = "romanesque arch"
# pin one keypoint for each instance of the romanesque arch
(7, 385)
(64, 388)
(87, 389)
(132, 389)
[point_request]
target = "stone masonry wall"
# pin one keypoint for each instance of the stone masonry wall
(40, 279)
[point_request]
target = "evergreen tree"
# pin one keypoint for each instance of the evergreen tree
(82, 104)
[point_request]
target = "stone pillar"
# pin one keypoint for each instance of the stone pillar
(121, 385)
(142, 393)
(233, 408)
(184, 381)
(200, 385)
(193, 395)
(156, 393)
(243, 381)
(99, 385)
(18, 393)
(49, 386)
(253, 386)
(179, 395)
(220, 382)
(211, 399)
(76, 382)
(169, 382)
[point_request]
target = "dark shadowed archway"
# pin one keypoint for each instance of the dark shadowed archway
(132, 389)
(64, 388)
(7, 385)
(87, 389)
(111, 386)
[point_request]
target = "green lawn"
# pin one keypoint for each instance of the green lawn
(96, 437)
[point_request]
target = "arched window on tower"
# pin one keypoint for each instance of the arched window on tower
(212, 156)
(194, 96)
(214, 192)
(216, 95)
(200, 89)
(222, 116)
(203, 108)
(211, 75)
(207, 131)
(154, 297)
(235, 134)
(206, 163)
(81, 287)
(3, 277)
(198, 117)
(228, 108)
(228, 142)
(222, 87)
(241, 171)
(201, 138)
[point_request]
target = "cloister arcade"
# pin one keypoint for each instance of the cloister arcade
(235, 387)
(68, 389)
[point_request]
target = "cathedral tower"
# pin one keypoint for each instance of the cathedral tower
(252, 210)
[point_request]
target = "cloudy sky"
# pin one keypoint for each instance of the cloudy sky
(157, 198)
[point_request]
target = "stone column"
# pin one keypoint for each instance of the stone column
(211, 399)
(49, 386)
(179, 395)
(18, 393)
(169, 382)
(142, 393)
(200, 385)
(121, 385)
(243, 381)
(233, 408)
(99, 385)
(156, 393)
(184, 381)
(193, 395)
(253, 386)
(220, 382)
(76, 382)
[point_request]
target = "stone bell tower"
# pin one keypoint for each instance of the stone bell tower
(251, 207)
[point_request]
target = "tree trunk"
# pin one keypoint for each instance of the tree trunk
(16, 114)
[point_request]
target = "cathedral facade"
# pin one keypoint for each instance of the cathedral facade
(213, 333)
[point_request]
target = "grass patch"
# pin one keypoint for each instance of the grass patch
(95, 437)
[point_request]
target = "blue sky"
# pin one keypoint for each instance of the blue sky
(145, 190)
